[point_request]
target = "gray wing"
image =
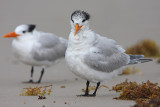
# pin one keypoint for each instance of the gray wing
(49, 47)
(105, 56)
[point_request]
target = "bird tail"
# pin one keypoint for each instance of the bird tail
(134, 59)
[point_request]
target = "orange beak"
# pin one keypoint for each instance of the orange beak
(12, 34)
(77, 28)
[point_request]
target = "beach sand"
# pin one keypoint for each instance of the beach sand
(125, 21)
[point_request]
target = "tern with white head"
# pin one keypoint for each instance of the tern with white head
(93, 57)
(36, 48)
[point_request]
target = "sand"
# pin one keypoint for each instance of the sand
(125, 21)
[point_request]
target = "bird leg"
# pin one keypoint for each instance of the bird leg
(42, 72)
(87, 85)
(90, 95)
(31, 77)
(86, 92)
(94, 94)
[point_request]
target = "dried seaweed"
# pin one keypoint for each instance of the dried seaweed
(138, 92)
(91, 88)
(128, 71)
(36, 91)
(154, 102)
(148, 48)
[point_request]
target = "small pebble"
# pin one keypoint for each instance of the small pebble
(63, 86)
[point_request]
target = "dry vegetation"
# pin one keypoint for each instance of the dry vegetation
(36, 91)
(154, 102)
(128, 71)
(141, 93)
(148, 48)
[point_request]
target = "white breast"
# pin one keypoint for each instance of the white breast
(77, 48)
(76, 64)
(22, 48)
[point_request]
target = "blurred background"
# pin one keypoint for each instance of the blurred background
(126, 21)
(130, 20)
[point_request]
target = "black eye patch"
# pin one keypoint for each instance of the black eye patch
(24, 31)
(83, 20)
(31, 27)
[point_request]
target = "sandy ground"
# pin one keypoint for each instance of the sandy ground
(126, 21)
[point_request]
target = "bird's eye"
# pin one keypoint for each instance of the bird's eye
(83, 20)
(24, 31)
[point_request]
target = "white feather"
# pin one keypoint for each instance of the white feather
(99, 50)
(39, 48)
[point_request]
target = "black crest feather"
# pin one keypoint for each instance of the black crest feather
(31, 27)
(87, 16)
(80, 13)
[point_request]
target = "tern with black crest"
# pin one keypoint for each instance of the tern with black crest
(93, 57)
(36, 48)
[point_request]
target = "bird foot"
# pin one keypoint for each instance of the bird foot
(86, 95)
(37, 82)
(30, 81)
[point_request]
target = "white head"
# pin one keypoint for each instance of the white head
(79, 21)
(21, 30)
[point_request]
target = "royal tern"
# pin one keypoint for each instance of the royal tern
(93, 57)
(36, 48)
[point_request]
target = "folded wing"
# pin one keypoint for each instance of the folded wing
(105, 55)
(49, 47)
